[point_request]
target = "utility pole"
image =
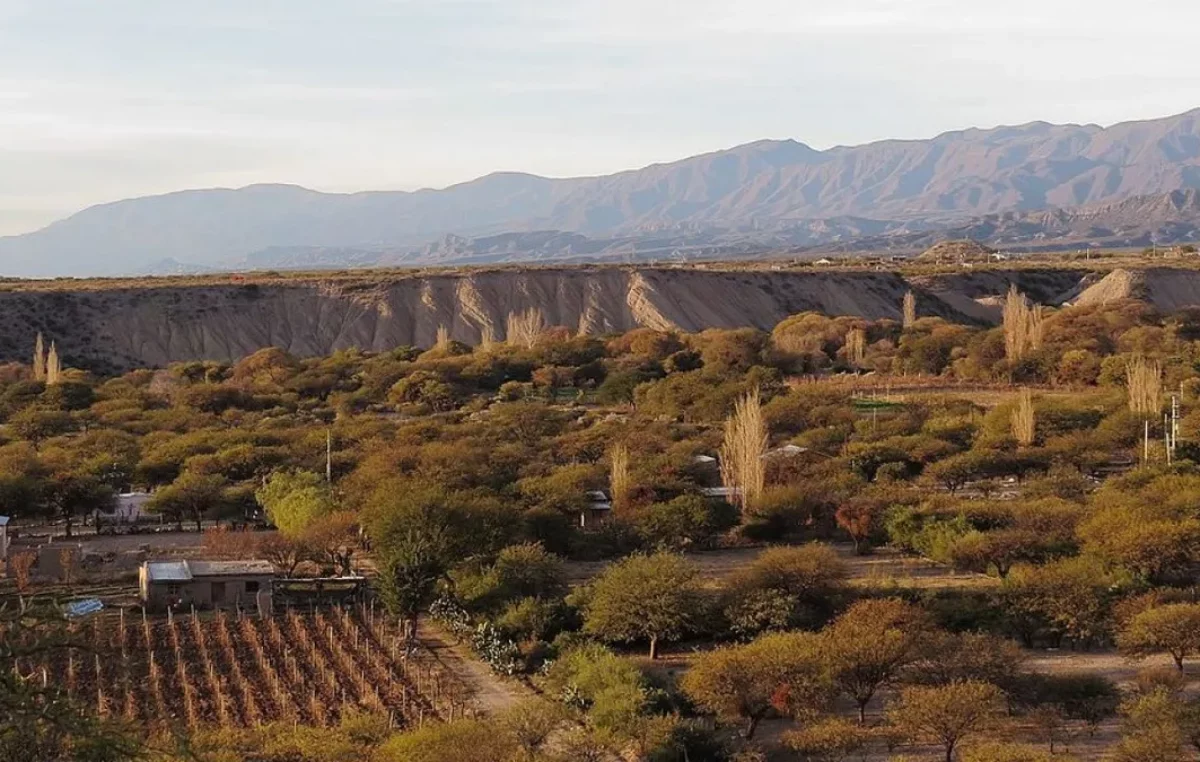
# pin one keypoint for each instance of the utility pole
(1167, 437)
(1174, 423)
(1146, 444)
(329, 456)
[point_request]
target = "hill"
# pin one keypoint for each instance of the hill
(762, 194)
(120, 325)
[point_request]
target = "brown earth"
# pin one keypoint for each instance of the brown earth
(122, 325)
(118, 325)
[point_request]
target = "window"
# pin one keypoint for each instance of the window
(252, 586)
(173, 590)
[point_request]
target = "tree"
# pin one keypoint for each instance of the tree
(1173, 628)
(742, 468)
(528, 571)
(36, 424)
(908, 310)
(618, 479)
(39, 358)
(1069, 597)
(69, 494)
(466, 740)
(859, 517)
(1023, 419)
(1009, 752)
(782, 671)
(999, 549)
(1023, 325)
(1152, 729)
(335, 537)
(869, 646)
(293, 500)
(285, 553)
(946, 714)
(653, 598)
(191, 497)
(531, 723)
(806, 581)
(947, 658)
(830, 740)
(688, 521)
(1143, 381)
(411, 569)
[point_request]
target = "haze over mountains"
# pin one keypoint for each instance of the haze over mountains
(1034, 185)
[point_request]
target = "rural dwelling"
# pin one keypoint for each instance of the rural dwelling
(128, 508)
(599, 508)
(207, 584)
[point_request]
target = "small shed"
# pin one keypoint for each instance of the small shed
(207, 584)
(599, 508)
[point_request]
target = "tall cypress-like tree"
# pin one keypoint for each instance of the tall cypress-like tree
(39, 358)
(53, 366)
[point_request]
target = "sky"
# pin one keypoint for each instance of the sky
(107, 100)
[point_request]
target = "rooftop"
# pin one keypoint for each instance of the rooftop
(185, 571)
(3, 520)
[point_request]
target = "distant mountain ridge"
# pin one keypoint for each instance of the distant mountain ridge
(761, 194)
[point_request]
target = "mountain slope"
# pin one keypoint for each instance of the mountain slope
(757, 187)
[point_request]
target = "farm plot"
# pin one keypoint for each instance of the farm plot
(231, 670)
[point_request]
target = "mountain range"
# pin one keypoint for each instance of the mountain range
(1027, 186)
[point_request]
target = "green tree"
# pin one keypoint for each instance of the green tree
(293, 500)
(782, 671)
(412, 565)
(1151, 729)
(462, 741)
(1173, 628)
(946, 714)
(802, 583)
(36, 424)
(653, 598)
(191, 497)
(869, 646)
(69, 494)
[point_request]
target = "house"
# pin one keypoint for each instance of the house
(4, 539)
(787, 451)
(206, 584)
(129, 508)
(728, 494)
(599, 508)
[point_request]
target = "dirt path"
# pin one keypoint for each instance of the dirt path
(493, 693)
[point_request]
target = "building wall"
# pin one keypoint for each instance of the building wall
(200, 592)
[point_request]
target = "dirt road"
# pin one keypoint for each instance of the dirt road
(492, 693)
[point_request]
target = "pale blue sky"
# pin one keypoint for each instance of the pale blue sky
(105, 99)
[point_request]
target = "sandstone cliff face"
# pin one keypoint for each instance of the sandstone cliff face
(116, 328)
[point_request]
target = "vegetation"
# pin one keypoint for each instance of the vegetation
(1013, 460)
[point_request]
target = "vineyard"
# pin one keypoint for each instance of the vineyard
(233, 670)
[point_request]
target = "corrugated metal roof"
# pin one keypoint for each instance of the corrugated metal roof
(168, 571)
(3, 520)
(229, 568)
